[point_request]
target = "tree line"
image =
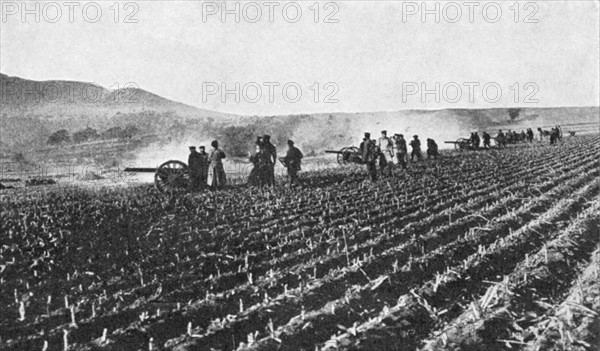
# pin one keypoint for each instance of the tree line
(88, 134)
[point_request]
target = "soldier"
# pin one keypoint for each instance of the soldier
(508, 136)
(401, 150)
(554, 136)
(368, 150)
(386, 148)
(271, 158)
(501, 139)
(486, 140)
(257, 174)
(529, 135)
(432, 149)
(476, 140)
(416, 148)
(216, 166)
(195, 169)
(293, 161)
(204, 164)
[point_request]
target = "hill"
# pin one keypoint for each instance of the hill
(59, 99)
(33, 110)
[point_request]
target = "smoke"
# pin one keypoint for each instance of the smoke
(321, 132)
(158, 153)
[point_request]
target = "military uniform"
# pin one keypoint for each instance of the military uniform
(368, 150)
(293, 161)
(386, 149)
(501, 139)
(401, 150)
(416, 148)
(256, 175)
(216, 167)
(486, 140)
(432, 149)
(529, 135)
(271, 157)
(204, 163)
(195, 169)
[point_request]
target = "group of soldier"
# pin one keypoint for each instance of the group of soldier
(383, 151)
(201, 164)
(555, 135)
(265, 158)
(512, 137)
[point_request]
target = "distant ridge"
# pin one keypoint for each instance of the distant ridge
(66, 98)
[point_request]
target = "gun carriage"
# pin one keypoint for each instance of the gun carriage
(169, 177)
(462, 144)
(347, 155)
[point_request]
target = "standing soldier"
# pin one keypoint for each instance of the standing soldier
(416, 148)
(271, 154)
(486, 140)
(257, 174)
(293, 161)
(216, 166)
(368, 150)
(204, 163)
(476, 140)
(386, 147)
(195, 169)
(554, 135)
(401, 150)
(501, 139)
(529, 135)
(432, 149)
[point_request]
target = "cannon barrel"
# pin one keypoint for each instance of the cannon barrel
(451, 142)
(333, 152)
(140, 170)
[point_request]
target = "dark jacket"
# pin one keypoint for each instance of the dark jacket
(195, 163)
(271, 151)
(368, 150)
(416, 144)
(293, 158)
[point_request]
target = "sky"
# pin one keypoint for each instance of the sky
(306, 56)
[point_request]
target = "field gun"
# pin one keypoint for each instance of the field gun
(462, 144)
(169, 177)
(347, 155)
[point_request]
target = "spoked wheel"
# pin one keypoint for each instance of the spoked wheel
(349, 154)
(462, 144)
(341, 157)
(172, 176)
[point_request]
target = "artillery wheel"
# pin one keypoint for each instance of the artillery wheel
(341, 155)
(462, 144)
(172, 176)
(349, 154)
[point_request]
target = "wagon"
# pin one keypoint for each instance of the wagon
(171, 176)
